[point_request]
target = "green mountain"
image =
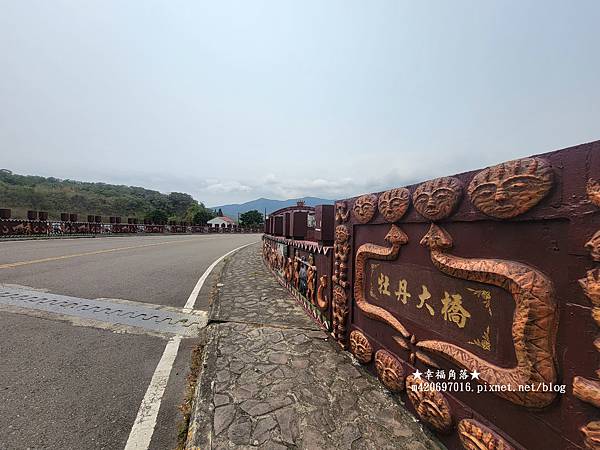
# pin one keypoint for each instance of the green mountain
(24, 192)
(269, 205)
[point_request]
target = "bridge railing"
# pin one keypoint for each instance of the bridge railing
(38, 225)
(474, 297)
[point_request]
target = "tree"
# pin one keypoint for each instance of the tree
(251, 219)
(179, 203)
(198, 214)
(157, 216)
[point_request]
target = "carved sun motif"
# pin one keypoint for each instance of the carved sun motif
(364, 207)
(511, 188)
(430, 405)
(394, 203)
(437, 199)
(389, 370)
(361, 347)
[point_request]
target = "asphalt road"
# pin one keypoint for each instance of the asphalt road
(70, 384)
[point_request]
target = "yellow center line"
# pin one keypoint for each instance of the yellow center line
(97, 252)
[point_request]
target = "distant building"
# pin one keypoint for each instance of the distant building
(222, 222)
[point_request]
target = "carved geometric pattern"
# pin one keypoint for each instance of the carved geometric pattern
(437, 199)
(476, 436)
(430, 405)
(393, 204)
(389, 370)
(364, 208)
(511, 188)
(534, 325)
(360, 347)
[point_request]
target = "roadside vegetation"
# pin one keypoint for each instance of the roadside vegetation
(23, 192)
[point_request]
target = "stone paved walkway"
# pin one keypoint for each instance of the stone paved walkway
(272, 380)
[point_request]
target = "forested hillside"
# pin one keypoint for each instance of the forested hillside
(21, 192)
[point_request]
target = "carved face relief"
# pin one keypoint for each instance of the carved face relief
(341, 212)
(511, 188)
(431, 406)
(389, 370)
(394, 203)
(341, 234)
(437, 199)
(593, 246)
(339, 296)
(360, 347)
(364, 207)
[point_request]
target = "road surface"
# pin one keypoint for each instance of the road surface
(71, 382)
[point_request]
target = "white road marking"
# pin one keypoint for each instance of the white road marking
(145, 422)
(143, 427)
(191, 301)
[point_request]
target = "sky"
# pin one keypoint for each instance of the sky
(234, 100)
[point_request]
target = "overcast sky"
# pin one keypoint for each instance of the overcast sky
(231, 101)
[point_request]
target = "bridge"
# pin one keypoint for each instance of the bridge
(467, 304)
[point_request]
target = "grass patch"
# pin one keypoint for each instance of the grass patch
(190, 388)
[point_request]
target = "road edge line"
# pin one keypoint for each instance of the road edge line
(145, 421)
(191, 301)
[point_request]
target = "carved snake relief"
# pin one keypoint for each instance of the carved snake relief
(322, 300)
(397, 238)
(534, 324)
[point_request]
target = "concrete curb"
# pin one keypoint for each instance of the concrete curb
(200, 417)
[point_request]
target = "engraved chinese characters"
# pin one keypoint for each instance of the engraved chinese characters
(396, 237)
(512, 188)
(393, 204)
(534, 323)
(437, 199)
(364, 208)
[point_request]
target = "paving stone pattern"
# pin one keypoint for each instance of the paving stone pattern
(250, 294)
(279, 383)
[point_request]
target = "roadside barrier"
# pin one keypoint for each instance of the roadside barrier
(473, 297)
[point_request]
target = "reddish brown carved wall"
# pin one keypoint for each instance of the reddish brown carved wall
(491, 273)
(492, 286)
